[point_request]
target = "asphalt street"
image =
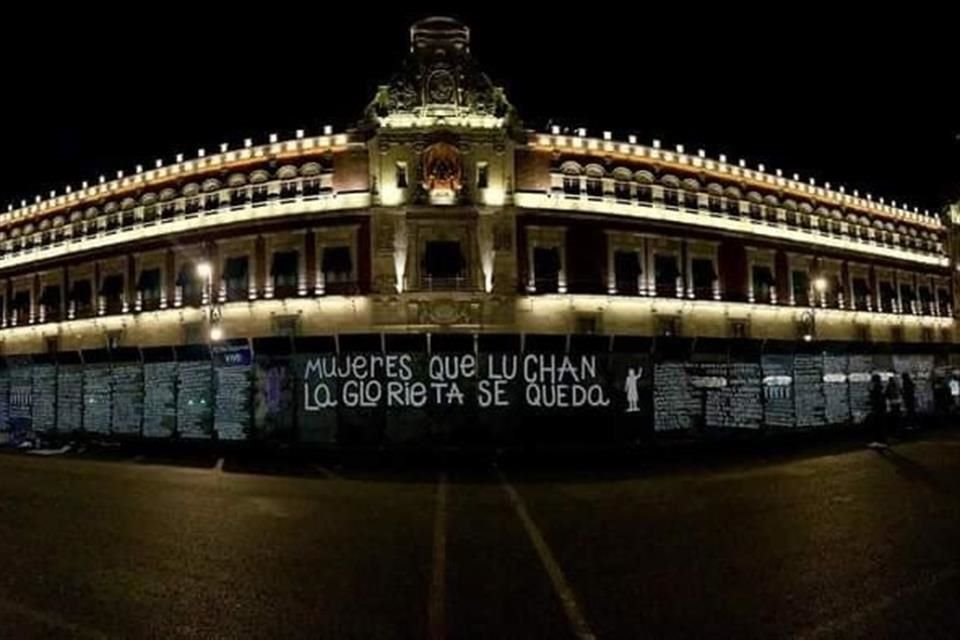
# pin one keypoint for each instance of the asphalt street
(837, 543)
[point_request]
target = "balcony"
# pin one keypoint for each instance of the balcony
(276, 198)
(445, 283)
(680, 290)
(723, 212)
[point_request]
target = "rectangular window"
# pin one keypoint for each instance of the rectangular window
(238, 197)
(442, 265)
(289, 189)
(622, 190)
(671, 198)
(284, 271)
(833, 292)
(907, 297)
(337, 264)
(546, 269)
(594, 187)
(703, 276)
(236, 278)
(626, 265)
(402, 175)
(111, 288)
(887, 297)
(861, 294)
(337, 267)
(311, 187)
(148, 284)
(801, 288)
(926, 301)
(946, 302)
(665, 273)
(763, 284)
(20, 307)
(81, 295)
(483, 175)
(50, 301)
(571, 185)
(191, 285)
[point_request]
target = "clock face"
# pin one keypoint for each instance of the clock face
(441, 87)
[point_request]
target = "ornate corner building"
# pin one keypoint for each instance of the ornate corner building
(440, 213)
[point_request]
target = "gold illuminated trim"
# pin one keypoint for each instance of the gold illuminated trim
(340, 202)
(281, 150)
(559, 202)
(724, 171)
(412, 121)
(551, 304)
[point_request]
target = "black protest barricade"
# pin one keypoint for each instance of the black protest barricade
(194, 392)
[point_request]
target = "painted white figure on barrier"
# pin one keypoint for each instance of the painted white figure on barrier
(633, 395)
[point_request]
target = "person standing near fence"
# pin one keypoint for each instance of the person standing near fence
(894, 405)
(909, 390)
(878, 410)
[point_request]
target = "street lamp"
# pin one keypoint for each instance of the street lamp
(205, 271)
(808, 324)
(808, 319)
(820, 284)
(211, 308)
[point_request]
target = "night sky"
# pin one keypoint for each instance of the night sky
(868, 102)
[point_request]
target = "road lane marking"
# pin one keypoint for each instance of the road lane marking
(51, 620)
(578, 623)
(438, 582)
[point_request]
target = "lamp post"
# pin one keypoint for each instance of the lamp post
(808, 319)
(820, 284)
(808, 324)
(211, 307)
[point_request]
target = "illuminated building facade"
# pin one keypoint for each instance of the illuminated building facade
(440, 214)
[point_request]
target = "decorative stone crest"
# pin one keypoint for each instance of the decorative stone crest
(440, 82)
(442, 170)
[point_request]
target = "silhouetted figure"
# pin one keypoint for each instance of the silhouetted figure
(878, 410)
(909, 401)
(894, 405)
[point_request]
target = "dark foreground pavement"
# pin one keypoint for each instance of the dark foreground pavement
(840, 544)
